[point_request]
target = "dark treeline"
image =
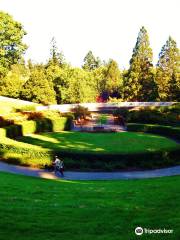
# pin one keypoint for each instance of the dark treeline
(97, 81)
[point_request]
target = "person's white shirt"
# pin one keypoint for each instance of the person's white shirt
(57, 162)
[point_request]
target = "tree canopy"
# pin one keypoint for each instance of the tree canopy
(168, 72)
(56, 81)
(11, 44)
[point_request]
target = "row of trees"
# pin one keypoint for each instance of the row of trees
(59, 82)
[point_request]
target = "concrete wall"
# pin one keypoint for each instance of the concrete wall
(97, 107)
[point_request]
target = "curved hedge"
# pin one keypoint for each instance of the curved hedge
(94, 161)
(25, 156)
(169, 131)
(36, 126)
(158, 159)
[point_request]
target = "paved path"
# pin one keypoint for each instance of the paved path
(4, 167)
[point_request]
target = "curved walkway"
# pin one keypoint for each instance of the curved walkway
(171, 171)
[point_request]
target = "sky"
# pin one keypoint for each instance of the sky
(107, 27)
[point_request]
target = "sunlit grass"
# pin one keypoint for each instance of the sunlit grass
(102, 210)
(124, 142)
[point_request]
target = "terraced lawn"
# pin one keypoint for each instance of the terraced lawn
(124, 142)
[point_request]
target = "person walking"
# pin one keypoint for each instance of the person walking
(56, 164)
(61, 168)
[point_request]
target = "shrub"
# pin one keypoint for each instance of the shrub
(169, 131)
(34, 115)
(124, 112)
(154, 116)
(25, 156)
(2, 132)
(61, 124)
(14, 131)
(80, 112)
(28, 127)
(102, 119)
(25, 108)
(36, 126)
(51, 114)
(5, 122)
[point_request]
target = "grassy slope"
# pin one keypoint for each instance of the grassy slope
(6, 104)
(101, 210)
(125, 142)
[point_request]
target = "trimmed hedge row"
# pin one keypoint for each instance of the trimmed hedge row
(91, 161)
(111, 162)
(25, 156)
(172, 132)
(36, 126)
(159, 115)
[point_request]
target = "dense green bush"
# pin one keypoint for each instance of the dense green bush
(14, 131)
(169, 131)
(28, 127)
(162, 115)
(36, 126)
(2, 132)
(25, 156)
(80, 112)
(5, 122)
(34, 115)
(111, 162)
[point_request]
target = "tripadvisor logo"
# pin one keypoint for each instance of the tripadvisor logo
(140, 231)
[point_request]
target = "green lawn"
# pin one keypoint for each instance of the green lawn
(124, 142)
(7, 104)
(40, 209)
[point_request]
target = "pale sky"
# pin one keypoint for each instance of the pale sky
(107, 27)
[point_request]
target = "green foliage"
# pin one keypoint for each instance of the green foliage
(57, 81)
(37, 88)
(11, 84)
(81, 87)
(164, 115)
(80, 112)
(108, 151)
(11, 45)
(57, 58)
(14, 154)
(121, 112)
(139, 84)
(11, 130)
(168, 72)
(113, 79)
(2, 133)
(5, 122)
(102, 119)
(34, 115)
(25, 108)
(169, 131)
(91, 62)
(28, 127)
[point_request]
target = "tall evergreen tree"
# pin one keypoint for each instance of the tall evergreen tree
(113, 79)
(57, 57)
(91, 62)
(139, 81)
(168, 72)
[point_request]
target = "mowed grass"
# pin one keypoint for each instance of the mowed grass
(124, 142)
(32, 208)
